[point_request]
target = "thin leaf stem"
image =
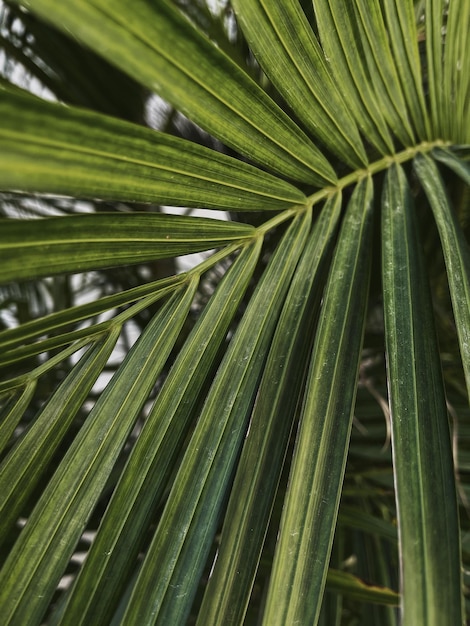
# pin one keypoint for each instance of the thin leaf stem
(350, 179)
(378, 166)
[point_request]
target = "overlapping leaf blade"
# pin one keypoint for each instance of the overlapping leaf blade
(452, 161)
(15, 337)
(82, 336)
(50, 148)
(30, 574)
(456, 253)
(403, 35)
(114, 553)
(309, 515)
(152, 41)
(341, 43)
(260, 466)
(348, 584)
(29, 458)
(169, 576)
(382, 70)
(159, 47)
(423, 463)
(456, 71)
(49, 364)
(71, 341)
(285, 45)
(12, 411)
(438, 104)
(90, 241)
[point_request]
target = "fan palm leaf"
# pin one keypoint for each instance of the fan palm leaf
(236, 450)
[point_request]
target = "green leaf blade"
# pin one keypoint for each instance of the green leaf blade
(49, 148)
(115, 550)
(456, 71)
(336, 24)
(180, 546)
(13, 338)
(106, 240)
(12, 411)
(382, 70)
(259, 470)
(24, 466)
(285, 45)
(160, 48)
(423, 464)
(452, 161)
(455, 248)
(34, 566)
(353, 587)
(401, 24)
(434, 21)
(309, 515)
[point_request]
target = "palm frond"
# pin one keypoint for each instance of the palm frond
(231, 461)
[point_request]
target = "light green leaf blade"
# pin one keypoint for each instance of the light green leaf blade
(169, 576)
(259, 470)
(456, 70)
(155, 44)
(77, 243)
(114, 552)
(309, 516)
(34, 566)
(382, 69)
(50, 148)
(423, 465)
(47, 365)
(456, 253)
(403, 36)
(52, 344)
(438, 103)
(340, 40)
(284, 45)
(12, 411)
(15, 337)
(25, 463)
(90, 333)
